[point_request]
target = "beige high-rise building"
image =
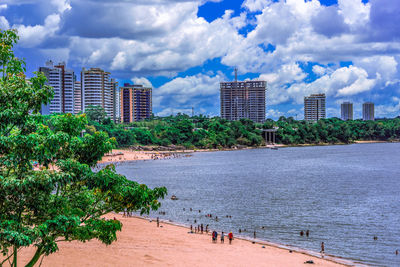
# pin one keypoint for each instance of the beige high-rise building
(314, 107)
(97, 90)
(243, 100)
(368, 111)
(135, 103)
(346, 109)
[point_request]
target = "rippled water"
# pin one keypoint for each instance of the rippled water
(345, 195)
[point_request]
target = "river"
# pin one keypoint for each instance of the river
(344, 195)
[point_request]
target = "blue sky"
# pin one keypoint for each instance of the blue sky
(347, 49)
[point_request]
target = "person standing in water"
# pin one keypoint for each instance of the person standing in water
(322, 247)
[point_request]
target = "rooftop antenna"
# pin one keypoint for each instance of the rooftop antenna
(236, 74)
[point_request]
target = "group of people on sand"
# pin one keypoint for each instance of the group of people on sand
(165, 156)
(214, 236)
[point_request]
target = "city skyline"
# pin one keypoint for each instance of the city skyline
(186, 48)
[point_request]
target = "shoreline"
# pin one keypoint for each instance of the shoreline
(142, 243)
(287, 247)
(127, 155)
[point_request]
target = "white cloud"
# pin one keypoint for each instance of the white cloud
(319, 70)
(142, 81)
(4, 23)
(31, 36)
(3, 6)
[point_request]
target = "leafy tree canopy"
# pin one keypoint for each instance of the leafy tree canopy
(48, 191)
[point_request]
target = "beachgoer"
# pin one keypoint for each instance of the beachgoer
(254, 234)
(222, 237)
(216, 218)
(397, 252)
(230, 236)
(158, 222)
(301, 233)
(240, 230)
(195, 221)
(307, 233)
(191, 228)
(322, 247)
(375, 238)
(207, 228)
(201, 228)
(213, 236)
(216, 236)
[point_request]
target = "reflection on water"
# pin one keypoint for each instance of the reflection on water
(344, 195)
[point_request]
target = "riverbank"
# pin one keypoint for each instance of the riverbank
(142, 243)
(122, 155)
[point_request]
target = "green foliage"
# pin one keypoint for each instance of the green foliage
(62, 199)
(334, 130)
(182, 130)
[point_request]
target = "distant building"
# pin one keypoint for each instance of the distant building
(368, 111)
(135, 103)
(77, 97)
(314, 107)
(243, 100)
(62, 82)
(347, 111)
(97, 90)
(116, 101)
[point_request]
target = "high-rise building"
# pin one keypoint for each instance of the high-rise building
(314, 107)
(116, 101)
(135, 103)
(77, 97)
(62, 81)
(243, 100)
(368, 111)
(347, 111)
(97, 90)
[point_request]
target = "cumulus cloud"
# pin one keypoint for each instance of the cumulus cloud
(150, 38)
(142, 81)
(32, 36)
(198, 91)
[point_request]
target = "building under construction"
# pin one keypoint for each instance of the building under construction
(243, 100)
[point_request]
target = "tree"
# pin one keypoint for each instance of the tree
(96, 113)
(61, 199)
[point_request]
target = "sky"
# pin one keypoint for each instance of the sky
(347, 49)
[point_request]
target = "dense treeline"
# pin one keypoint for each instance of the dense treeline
(182, 130)
(204, 132)
(334, 130)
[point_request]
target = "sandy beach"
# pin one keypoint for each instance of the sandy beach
(142, 243)
(120, 155)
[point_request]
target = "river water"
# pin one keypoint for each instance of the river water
(345, 195)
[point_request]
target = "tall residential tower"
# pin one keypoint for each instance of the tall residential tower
(62, 81)
(135, 103)
(314, 107)
(346, 111)
(368, 110)
(243, 100)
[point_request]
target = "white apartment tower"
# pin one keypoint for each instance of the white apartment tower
(78, 97)
(97, 90)
(314, 107)
(346, 109)
(368, 109)
(62, 81)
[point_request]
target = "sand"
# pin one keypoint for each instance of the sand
(142, 243)
(120, 155)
